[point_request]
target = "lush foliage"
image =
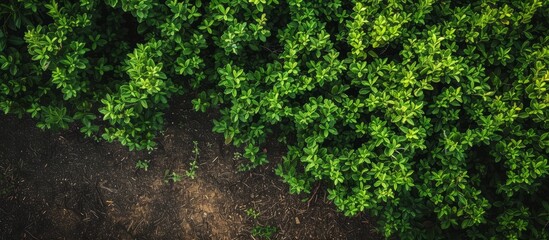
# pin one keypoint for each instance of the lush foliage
(431, 115)
(66, 62)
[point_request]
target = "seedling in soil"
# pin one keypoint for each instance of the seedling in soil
(237, 156)
(265, 232)
(191, 173)
(143, 165)
(252, 213)
(174, 177)
(196, 150)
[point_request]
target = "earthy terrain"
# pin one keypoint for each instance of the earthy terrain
(60, 185)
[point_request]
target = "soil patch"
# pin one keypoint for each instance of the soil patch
(64, 186)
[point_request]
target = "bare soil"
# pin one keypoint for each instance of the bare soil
(60, 185)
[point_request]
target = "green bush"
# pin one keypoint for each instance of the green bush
(66, 61)
(432, 116)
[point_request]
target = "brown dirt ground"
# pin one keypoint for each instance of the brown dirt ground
(64, 186)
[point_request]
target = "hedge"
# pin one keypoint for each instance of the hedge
(432, 116)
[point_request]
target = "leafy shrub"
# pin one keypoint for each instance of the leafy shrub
(66, 61)
(431, 115)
